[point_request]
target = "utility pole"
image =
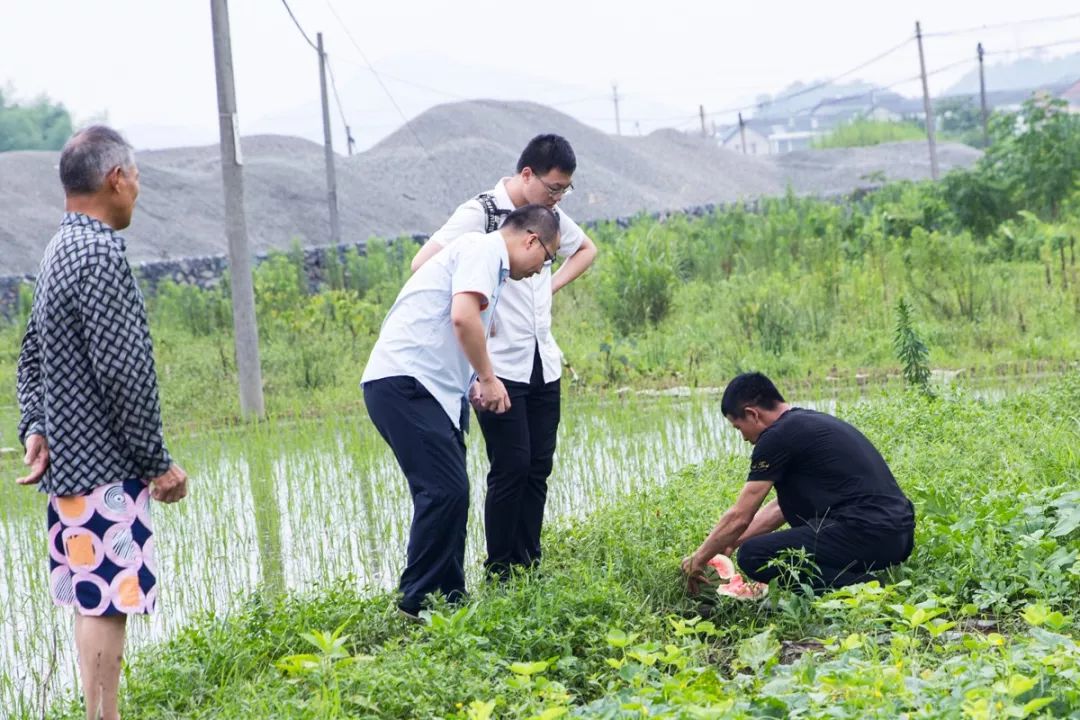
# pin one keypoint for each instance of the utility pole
(615, 97)
(350, 140)
(982, 99)
(742, 133)
(927, 106)
(232, 175)
(328, 149)
(701, 112)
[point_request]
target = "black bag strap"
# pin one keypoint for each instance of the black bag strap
(494, 213)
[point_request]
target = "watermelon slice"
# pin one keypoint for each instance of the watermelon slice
(735, 586)
(739, 588)
(723, 566)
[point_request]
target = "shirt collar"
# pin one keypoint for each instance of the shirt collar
(504, 255)
(78, 218)
(502, 197)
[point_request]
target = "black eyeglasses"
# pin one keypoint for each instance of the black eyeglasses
(554, 190)
(549, 259)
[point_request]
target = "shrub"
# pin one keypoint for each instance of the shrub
(637, 284)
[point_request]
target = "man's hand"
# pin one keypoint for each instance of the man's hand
(694, 569)
(491, 395)
(474, 397)
(170, 486)
(37, 458)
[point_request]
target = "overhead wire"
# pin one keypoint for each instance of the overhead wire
(298, 26)
(390, 96)
(405, 81)
(329, 68)
(1043, 46)
(998, 26)
(816, 86)
(349, 140)
(685, 119)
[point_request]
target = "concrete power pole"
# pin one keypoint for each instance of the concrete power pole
(927, 106)
(615, 97)
(742, 133)
(701, 112)
(982, 99)
(232, 175)
(328, 150)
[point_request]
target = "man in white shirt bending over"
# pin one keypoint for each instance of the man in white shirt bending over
(431, 347)
(521, 442)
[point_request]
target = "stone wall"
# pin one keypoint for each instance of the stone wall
(207, 272)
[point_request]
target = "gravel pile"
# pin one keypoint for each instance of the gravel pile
(399, 187)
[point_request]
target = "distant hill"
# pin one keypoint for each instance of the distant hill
(799, 96)
(1022, 73)
(398, 187)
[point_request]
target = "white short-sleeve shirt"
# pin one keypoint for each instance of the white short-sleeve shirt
(523, 319)
(417, 337)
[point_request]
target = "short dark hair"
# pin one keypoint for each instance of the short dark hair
(547, 152)
(91, 154)
(749, 389)
(537, 218)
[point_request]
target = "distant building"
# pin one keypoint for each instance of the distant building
(1071, 95)
(777, 135)
(785, 142)
(756, 138)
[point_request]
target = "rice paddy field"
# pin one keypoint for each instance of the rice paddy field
(296, 505)
(276, 568)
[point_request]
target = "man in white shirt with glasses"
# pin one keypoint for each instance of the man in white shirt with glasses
(430, 350)
(521, 442)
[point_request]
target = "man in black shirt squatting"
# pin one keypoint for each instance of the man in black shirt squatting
(833, 489)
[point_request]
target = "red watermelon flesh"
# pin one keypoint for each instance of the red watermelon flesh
(739, 588)
(735, 586)
(723, 566)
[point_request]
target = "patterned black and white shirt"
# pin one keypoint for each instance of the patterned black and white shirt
(86, 376)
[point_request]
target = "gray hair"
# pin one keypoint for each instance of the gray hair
(89, 156)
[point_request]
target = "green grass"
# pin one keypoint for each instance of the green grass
(978, 623)
(862, 132)
(804, 290)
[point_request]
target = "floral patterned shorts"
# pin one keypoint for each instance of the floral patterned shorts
(101, 550)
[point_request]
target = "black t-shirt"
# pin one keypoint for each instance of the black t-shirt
(824, 468)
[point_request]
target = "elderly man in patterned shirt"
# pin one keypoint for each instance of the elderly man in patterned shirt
(91, 417)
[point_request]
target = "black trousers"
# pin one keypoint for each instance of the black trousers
(520, 447)
(431, 453)
(844, 553)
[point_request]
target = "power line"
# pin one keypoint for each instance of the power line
(404, 81)
(790, 96)
(997, 26)
(333, 83)
(825, 83)
(1044, 46)
(349, 141)
(817, 86)
(950, 66)
(298, 27)
(389, 95)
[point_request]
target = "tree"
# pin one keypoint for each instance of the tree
(40, 125)
(961, 120)
(1036, 153)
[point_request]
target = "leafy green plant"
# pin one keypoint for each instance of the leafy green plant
(636, 285)
(323, 669)
(910, 350)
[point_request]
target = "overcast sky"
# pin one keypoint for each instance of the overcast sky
(148, 64)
